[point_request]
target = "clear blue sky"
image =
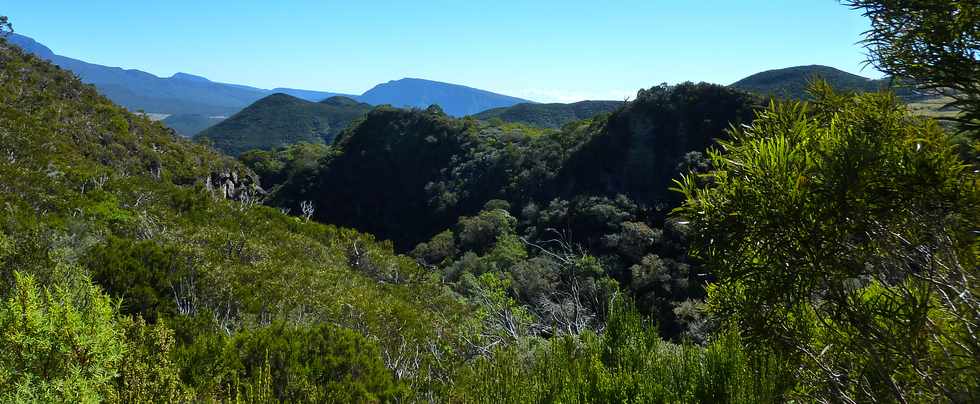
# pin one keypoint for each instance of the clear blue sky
(541, 50)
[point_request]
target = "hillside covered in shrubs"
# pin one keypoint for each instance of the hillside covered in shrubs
(695, 244)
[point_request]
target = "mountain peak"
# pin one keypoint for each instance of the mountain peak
(455, 99)
(792, 82)
(281, 119)
(416, 79)
(189, 77)
(279, 98)
(340, 100)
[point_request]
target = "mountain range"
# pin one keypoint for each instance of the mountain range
(205, 102)
(281, 120)
(181, 93)
(270, 118)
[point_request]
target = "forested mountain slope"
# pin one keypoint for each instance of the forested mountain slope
(279, 120)
(458, 193)
(553, 115)
(440, 168)
(172, 228)
(137, 266)
(698, 244)
(792, 82)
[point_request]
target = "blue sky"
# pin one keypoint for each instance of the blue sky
(540, 50)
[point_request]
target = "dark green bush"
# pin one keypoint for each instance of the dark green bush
(306, 363)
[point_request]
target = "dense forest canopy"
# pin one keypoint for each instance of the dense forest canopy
(436, 168)
(695, 244)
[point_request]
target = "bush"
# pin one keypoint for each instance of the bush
(142, 273)
(627, 363)
(60, 344)
(306, 363)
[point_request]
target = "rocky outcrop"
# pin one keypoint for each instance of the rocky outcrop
(230, 184)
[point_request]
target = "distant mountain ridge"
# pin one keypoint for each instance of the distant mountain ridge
(181, 93)
(192, 103)
(195, 96)
(281, 119)
(791, 82)
(454, 99)
(554, 115)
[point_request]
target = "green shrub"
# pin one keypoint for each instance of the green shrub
(60, 344)
(626, 363)
(148, 373)
(842, 233)
(292, 363)
(142, 273)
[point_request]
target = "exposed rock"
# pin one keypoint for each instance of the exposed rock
(229, 184)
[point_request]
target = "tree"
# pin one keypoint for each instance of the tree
(933, 43)
(840, 232)
(5, 27)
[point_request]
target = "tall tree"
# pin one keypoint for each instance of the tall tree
(933, 43)
(841, 232)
